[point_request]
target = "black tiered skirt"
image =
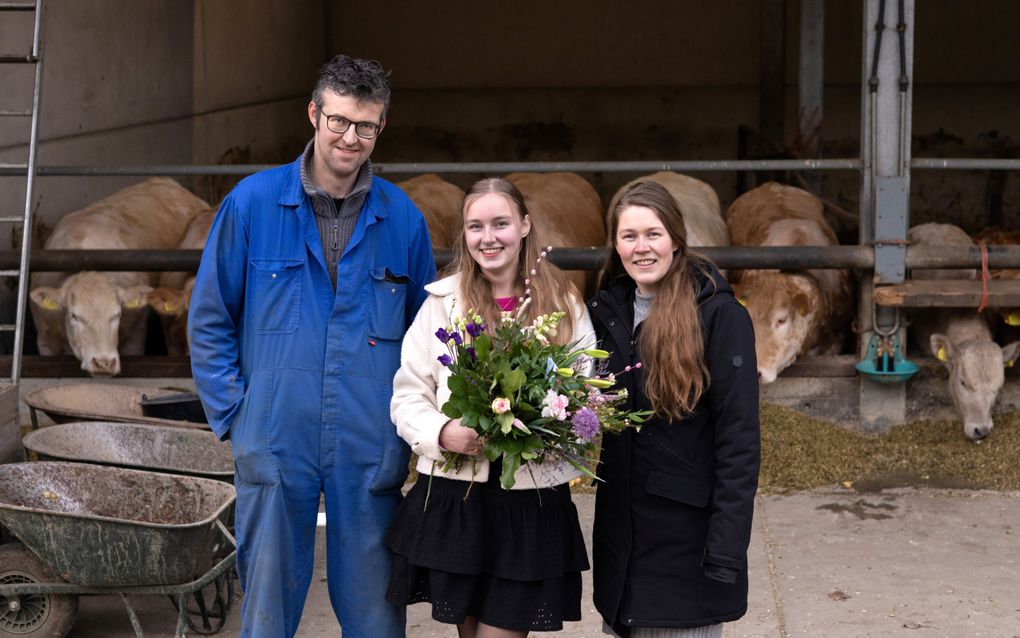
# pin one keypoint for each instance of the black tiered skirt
(510, 558)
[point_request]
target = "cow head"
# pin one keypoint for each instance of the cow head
(172, 306)
(783, 308)
(89, 309)
(975, 378)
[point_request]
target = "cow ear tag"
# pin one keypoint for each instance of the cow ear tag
(742, 301)
(49, 304)
(132, 303)
(1009, 364)
(942, 354)
(169, 307)
(1013, 319)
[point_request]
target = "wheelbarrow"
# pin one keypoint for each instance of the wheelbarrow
(89, 529)
(156, 448)
(107, 402)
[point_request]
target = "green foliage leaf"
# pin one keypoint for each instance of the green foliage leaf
(457, 385)
(511, 462)
(513, 381)
(506, 422)
(486, 423)
(482, 345)
(451, 410)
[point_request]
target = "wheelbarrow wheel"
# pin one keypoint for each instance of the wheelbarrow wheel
(32, 615)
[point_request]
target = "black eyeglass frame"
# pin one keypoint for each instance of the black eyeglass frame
(376, 126)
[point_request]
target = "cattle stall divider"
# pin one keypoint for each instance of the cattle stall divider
(884, 164)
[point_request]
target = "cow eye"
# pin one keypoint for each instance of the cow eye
(75, 318)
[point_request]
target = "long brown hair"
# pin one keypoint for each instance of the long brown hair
(672, 349)
(550, 289)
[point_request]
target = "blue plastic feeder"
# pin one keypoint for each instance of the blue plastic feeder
(884, 362)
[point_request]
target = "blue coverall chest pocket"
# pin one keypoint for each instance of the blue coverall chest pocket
(389, 298)
(276, 293)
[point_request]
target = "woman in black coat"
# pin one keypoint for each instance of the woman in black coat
(673, 515)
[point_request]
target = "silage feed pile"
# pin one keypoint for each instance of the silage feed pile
(800, 452)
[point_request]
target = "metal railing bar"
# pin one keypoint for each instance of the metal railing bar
(452, 167)
(733, 257)
(693, 166)
(966, 163)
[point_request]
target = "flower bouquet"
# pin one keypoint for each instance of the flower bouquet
(524, 395)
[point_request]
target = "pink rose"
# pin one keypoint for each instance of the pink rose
(501, 405)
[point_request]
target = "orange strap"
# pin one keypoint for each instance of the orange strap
(984, 276)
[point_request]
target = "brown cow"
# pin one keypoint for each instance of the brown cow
(698, 203)
(173, 297)
(94, 315)
(440, 202)
(567, 211)
(794, 313)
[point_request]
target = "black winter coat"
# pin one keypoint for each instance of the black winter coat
(673, 515)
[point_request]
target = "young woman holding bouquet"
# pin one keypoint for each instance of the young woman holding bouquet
(673, 515)
(495, 562)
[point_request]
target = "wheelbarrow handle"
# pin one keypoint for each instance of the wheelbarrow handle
(223, 530)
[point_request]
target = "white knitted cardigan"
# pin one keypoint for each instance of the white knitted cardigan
(420, 390)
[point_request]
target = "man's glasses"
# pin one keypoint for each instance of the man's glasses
(340, 124)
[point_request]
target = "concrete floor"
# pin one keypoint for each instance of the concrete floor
(902, 562)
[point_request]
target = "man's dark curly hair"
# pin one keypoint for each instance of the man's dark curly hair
(363, 79)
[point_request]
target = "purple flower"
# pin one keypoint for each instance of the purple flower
(471, 351)
(456, 337)
(474, 329)
(445, 359)
(442, 335)
(586, 424)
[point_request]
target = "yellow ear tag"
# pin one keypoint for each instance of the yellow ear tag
(1013, 319)
(1009, 364)
(169, 307)
(132, 303)
(742, 301)
(49, 304)
(942, 354)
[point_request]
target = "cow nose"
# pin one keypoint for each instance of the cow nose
(980, 432)
(105, 365)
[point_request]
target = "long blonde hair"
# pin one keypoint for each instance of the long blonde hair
(550, 289)
(672, 348)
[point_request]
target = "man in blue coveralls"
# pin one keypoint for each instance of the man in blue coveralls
(310, 277)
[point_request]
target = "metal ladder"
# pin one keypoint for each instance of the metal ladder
(24, 220)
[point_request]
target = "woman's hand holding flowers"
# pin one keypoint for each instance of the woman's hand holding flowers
(454, 437)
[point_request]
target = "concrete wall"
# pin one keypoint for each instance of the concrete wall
(673, 80)
(157, 82)
(206, 81)
(226, 80)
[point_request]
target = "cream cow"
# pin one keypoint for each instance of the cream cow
(567, 211)
(961, 339)
(96, 316)
(173, 297)
(794, 313)
(698, 203)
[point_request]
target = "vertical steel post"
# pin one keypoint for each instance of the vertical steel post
(885, 183)
(811, 83)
